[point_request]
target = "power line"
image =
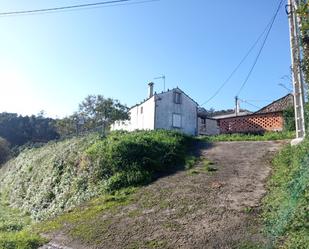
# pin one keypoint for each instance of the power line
(261, 49)
(245, 101)
(241, 62)
(238, 66)
(244, 58)
(72, 7)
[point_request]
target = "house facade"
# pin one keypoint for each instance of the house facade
(169, 110)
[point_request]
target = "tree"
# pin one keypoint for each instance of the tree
(66, 126)
(98, 111)
(4, 150)
(18, 130)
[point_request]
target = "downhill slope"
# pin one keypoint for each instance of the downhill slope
(213, 205)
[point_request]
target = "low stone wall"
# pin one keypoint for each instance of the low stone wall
(253, 123)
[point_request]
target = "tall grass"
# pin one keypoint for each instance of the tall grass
(286, 207)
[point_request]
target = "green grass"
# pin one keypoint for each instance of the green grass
(14, 230)
(85, 222)
(204, 166)
(268, 136)
(285, 208)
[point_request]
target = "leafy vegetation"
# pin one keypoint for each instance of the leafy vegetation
(289, 119)
(14, 233)
(267, 136)
(4, 150)
(47, 180)
(286, 213)
(61, 175)
(94, 111)
(19, 130)
(132, 159)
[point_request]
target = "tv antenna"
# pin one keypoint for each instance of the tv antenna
(162, 77)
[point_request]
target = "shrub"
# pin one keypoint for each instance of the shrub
(132, 158)
(289, 119)
(4, 150)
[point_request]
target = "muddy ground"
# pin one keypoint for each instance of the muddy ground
(198, 208)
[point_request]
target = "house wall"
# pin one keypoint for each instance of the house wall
(166, 107)
(210, 127)
(252, 123)
(139, 120)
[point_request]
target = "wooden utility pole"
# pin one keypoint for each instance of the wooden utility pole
(298, 80)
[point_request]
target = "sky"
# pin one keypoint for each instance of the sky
(52, 61)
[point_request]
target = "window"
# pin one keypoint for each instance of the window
(142, 110)
(177, 98)
(203, 121)
(176, 120)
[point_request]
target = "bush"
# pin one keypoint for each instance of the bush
(128, 159)
(4, 150)
(289, 119)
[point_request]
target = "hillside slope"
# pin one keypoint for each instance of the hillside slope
(44, 181)
(212, 205)
(60, 175)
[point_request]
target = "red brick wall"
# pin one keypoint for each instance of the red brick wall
(252, 123)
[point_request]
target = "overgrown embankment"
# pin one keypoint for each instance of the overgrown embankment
(47, 181)
(286, 207)
(61, 175)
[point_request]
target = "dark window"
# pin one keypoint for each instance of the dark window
(142, 110)
(203, 121)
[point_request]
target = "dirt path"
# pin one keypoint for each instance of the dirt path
(195, 209)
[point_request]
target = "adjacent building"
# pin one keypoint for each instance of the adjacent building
(269, 118)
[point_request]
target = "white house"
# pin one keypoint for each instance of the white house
(170, 110)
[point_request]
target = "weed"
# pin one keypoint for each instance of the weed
(248, 210)
(204, 167)
(156, 244)
(190, 162)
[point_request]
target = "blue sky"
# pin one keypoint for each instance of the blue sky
(51, 62)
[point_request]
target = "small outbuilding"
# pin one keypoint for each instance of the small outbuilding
(269, 118)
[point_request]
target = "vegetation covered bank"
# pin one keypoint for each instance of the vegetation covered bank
(286, 207)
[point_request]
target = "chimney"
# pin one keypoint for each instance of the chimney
(150, 89)
(237, 106)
